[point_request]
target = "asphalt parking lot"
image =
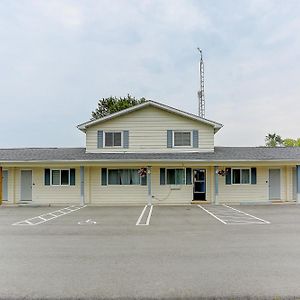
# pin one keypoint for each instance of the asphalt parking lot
(184, 252)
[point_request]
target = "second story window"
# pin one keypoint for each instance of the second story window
(182, 138)
(113, 139)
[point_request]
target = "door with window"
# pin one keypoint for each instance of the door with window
(26, 185)
(199, 191)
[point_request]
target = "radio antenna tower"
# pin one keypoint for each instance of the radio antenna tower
(201, 98)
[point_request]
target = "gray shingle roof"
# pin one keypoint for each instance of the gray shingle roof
(220, 154)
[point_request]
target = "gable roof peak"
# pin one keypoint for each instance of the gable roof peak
(153, 103)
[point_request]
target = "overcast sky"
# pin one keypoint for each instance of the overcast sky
(57, 58)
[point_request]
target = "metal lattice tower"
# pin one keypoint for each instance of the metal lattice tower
(201, 98)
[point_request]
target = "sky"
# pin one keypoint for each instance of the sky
(58, 58)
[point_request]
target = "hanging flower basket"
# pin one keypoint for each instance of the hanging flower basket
(142, 172)
(223, 172)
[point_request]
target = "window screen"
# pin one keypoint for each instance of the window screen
(113, 139)
(182, 138)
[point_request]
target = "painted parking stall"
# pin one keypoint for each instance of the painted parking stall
(145, 216)
(228, 215)
(49, 216)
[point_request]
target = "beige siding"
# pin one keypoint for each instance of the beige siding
(162, 194)
(148, 131)
(42, 194)
(255, 192)
(54, 194)
(96, 194)
(113, 194)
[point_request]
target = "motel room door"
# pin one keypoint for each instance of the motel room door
(199, 190)
(4, 185)
(274, 184)
(26, 185)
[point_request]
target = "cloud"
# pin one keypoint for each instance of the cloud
(59, 57)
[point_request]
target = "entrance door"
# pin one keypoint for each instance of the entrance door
(274, 184)
(26, 185)
(294, 184)
(5, 185)
(199, 184)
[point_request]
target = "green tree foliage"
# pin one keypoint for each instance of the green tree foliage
(107, 106)
(291, 142)
(273, 140)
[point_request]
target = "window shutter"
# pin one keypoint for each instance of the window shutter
(104, 176)
(195, 139)
(144, 180)
(100, 138)
(47, 176)
(125, 139)
(162, 176)
(228, 176)
(72, 176)
(253, 176)
(188, 176)
(169, 138)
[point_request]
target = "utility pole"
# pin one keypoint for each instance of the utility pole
(201, 99)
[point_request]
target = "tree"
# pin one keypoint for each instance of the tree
(291, 142)
(273, 140)
(107, 106)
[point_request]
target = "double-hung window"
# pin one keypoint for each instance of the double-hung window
(182, 139)
(241, 176)
(59, 177)
(113, 139)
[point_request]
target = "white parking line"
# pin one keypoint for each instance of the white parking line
(138, 223)
(212, 214)
(231, 216)
(52, 215)
(267, 222)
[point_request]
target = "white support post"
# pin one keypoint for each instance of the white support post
(298, 182)
(149, 185)
(81, 186)
(216, 185)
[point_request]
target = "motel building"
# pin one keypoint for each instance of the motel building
(150, 153)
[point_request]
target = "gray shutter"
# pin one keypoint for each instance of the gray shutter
(47, 176)
(100, 138)
(195, 139)
(188, 176)
(104, 176)
(125, 139)
(72, 176)
(162, 176)
(169, 138)
(253, 176)
(228, 176)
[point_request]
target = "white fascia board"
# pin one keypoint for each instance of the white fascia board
(147, 160)
(87, 124)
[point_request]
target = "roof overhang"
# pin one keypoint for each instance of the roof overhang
(83, 127)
